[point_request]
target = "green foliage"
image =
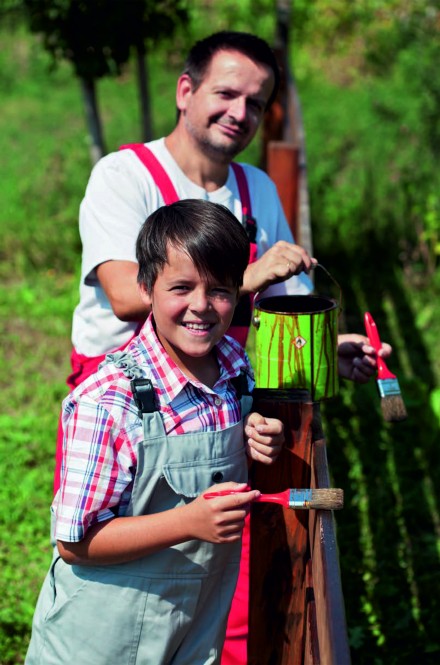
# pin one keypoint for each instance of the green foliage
(97, 36)
(26, 454)
(231, 15)
(376, 171)
(34, 323)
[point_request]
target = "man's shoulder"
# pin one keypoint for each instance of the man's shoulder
(255, 175)
(126, 157)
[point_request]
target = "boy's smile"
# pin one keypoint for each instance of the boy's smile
(191, 314)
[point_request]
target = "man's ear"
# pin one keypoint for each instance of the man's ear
(183, 91)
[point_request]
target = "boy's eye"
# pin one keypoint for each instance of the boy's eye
(179, 287)
(222, 291)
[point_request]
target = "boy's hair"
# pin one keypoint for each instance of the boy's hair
(208, 232)
(200, 56)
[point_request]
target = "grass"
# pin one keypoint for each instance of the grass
(389, 530)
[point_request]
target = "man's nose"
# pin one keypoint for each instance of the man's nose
(237, 109)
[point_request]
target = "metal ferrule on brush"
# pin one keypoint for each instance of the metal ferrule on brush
(388, 387)
(300, 498)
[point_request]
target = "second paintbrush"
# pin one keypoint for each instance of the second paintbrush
(319, 499)
(392, 404)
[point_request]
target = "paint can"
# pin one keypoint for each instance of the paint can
(296, 343)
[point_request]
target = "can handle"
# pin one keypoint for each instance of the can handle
(338, 286)
(314, 266)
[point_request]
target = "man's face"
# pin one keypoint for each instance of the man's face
(223, 114)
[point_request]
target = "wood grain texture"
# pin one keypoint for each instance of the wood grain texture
(296, 614)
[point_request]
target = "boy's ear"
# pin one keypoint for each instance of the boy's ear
(145, 295)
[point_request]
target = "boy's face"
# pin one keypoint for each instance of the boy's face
(191, 315)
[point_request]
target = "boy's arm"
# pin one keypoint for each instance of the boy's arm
(124, 539)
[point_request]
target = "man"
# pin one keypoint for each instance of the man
(228, 82)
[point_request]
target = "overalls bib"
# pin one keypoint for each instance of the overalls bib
(168, 608)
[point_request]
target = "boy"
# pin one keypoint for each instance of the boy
(145, 568)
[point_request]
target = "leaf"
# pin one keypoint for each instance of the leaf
(435, 402)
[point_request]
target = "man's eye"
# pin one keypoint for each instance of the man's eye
(255, 105)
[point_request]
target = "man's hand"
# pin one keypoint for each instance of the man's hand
(279, 263)
(357, 358)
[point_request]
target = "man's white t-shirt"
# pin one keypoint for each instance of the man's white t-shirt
(119, 197)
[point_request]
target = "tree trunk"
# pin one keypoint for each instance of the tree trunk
(144, 94)
(97, 147)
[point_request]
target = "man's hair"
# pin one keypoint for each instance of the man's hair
(208, 232)
(256, 49)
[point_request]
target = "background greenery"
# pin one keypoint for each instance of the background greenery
(370, 91)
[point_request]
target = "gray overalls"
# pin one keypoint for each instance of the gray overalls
(167, 608)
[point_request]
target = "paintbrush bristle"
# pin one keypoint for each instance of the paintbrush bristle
(327, 499)
(320, 499)
(393, 408)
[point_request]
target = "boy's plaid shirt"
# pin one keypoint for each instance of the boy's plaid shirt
(102, 428)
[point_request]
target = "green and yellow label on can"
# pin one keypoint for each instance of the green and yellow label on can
(296, 344)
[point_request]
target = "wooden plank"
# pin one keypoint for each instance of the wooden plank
(329, 600)
(279, 542)
(283, 168)
(296, 614)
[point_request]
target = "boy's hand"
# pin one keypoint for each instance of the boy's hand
(357, 358)
(264, 438)
(220, 519)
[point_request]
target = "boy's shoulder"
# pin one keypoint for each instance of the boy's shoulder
(232, 357)
(110, 385)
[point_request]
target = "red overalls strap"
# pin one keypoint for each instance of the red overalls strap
(161, 178)
(239, 328)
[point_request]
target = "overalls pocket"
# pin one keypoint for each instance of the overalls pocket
(189, 479)
(64, 586)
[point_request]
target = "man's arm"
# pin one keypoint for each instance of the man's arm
(119, 196)
(119, 281)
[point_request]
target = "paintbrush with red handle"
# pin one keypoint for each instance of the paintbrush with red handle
(392, 404)
(322, 499)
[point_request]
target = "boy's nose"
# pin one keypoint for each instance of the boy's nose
(200, 301)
